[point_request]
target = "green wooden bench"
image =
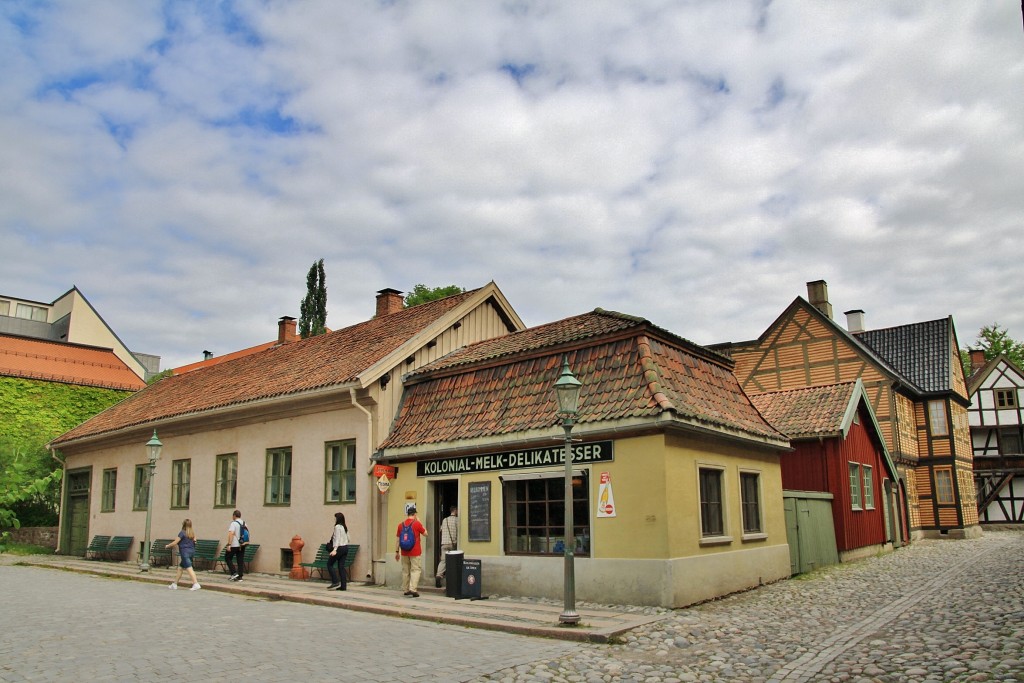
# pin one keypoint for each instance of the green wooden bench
(158, 553)
(247, 558)
(206, 551)
(322, 555)
(319, 564)
(97, 546)
(118, 548)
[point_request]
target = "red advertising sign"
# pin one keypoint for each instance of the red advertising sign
(383, 471)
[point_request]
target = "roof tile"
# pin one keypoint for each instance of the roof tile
(52, 361)
(808, 412)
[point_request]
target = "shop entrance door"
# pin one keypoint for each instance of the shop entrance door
(446, 494)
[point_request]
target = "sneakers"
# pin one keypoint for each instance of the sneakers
(232, 577)
(173, 586)
(333, 586)
(195, 587)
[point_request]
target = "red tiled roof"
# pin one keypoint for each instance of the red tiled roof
(336, 358)
(52, 361)
(629, 369)
(809, 412)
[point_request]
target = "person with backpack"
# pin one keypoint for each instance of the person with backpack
(186, 542)
(235, 550)
(338, 546)
(409, 550)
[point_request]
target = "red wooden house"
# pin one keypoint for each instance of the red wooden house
(838, 448)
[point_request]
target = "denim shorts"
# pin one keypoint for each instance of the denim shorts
(186, 560)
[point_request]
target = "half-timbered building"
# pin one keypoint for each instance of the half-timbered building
(915, 382)
(997, 434)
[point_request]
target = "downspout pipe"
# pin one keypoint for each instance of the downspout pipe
(63, 489)
(371, 509)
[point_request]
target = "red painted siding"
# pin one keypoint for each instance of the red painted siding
(824, 466)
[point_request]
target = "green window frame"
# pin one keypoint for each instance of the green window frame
(181, 476)
(869, 487)
(944, 486)
(855, 492)
(108, 495)
(225, 480)
(279, 477)
(750, 502)
(140, 497)
(712, 502)
(340, 472)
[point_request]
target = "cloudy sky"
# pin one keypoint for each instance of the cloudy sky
(694, 163)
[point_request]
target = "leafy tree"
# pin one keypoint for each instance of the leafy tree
(313, 309)
(29, 487)
(421, 294)
(995, 340)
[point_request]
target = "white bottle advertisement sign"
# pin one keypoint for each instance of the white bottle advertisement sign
(605, 498)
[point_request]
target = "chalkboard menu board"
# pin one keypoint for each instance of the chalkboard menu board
(480, 511)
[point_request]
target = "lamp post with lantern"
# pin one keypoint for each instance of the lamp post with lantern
(567, 389)
(153, 447)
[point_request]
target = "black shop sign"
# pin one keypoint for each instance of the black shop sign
(582, 454)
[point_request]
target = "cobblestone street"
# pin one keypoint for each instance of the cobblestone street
(936, 611)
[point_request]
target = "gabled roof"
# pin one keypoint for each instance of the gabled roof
(1006, 365)
(66, 363)
(349, 357)
(631, 370)
(821, 412)
(921, 352)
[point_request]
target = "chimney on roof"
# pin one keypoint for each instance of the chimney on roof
(389, 301)
(286, 330)
(855, 321)
(977, 360)
(207, 355)
(817, 294)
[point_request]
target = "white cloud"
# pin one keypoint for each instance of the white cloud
(691, 162)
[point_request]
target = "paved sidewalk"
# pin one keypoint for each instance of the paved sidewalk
(523, 616)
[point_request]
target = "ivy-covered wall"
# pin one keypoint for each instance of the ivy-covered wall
(36, 411)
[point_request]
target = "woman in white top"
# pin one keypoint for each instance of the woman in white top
(339, 553)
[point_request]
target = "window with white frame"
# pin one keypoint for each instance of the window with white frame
(340, 474)
(279, 477)
(944, 486)
(855, 493)
(1006, 398)
(181, 475)
(108, 496)
(750, 501)
(225, 485)
(28, 312)
(140, 499)
(712, 509)
(869, 487)
(937, 418)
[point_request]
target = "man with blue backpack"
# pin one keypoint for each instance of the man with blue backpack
(236, 546)
(409, 550)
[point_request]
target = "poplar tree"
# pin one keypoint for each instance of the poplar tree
(313, 308)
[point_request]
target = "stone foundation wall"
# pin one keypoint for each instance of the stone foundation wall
(36, 535)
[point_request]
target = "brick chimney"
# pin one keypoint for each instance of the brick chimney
(854, 321)
(977, 360)
(389, 301)
(817, 295)
(286, 330)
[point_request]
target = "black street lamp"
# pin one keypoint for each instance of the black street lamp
(567, 389)
(153, 447)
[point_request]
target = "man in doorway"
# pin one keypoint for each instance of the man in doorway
(411, 557)
(234, 548)
(449, 541)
